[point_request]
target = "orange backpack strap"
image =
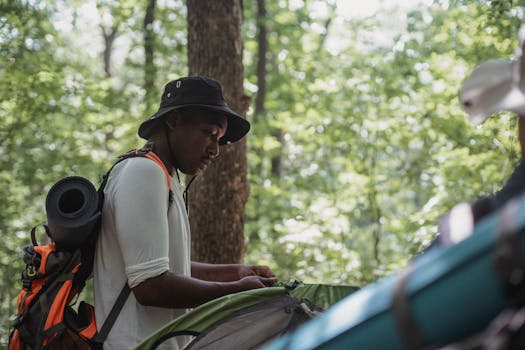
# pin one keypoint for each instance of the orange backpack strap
(141, 152)
(154, 157)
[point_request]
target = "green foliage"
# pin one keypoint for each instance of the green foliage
(376, 147)
(365, 123)
(60, 115)
(44, 127)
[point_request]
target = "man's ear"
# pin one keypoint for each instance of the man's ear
(171, 122)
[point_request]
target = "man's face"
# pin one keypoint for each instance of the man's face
(195, 139)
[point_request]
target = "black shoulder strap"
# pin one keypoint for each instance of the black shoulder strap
(129, 154)
(101, 335)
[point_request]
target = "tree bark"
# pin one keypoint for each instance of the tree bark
(262, 42)
(262, 46)
(149, 51)
(110, 34)
(217, 199)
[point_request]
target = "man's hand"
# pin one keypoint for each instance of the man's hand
(255, 282)
(255, 270)
(228, 272)
(173, 290)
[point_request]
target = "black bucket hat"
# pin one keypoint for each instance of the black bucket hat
(200, 92)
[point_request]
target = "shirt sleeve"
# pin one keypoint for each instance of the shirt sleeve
(140, 199)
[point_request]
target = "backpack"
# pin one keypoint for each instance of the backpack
(56, 272)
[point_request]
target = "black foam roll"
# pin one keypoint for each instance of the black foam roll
(72, 211)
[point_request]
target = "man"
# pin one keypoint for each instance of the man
(145, 235)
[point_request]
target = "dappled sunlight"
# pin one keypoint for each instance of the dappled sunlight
(357, 150)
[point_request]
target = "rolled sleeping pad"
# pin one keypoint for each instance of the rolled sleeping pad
(72, 207)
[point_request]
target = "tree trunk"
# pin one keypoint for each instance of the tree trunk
(110, 34)
(262, 42)
(217, 199)
(262, 46)
(149, 50)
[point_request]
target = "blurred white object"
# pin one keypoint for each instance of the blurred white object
(457, 224)
(494, 86)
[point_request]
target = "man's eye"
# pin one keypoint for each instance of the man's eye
(210, 132)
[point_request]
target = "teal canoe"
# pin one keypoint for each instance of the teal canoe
(447, 294)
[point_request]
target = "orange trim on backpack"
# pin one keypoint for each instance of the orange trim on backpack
(44, 251)
(154, 157)
(56, 312)
(90, 331)
(31, 293)
(26, 295)
(15, 343)
(73, 292)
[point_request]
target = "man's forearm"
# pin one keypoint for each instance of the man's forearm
(172, 290)
(215, 272)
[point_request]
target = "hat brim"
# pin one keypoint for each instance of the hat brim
(237, 125)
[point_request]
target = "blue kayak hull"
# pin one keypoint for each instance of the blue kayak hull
(453, 292)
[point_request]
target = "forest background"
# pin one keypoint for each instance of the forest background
(361, 145)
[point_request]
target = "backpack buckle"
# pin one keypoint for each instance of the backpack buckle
(31, 271)
(28, 276)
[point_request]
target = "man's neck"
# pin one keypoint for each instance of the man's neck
(161, 150)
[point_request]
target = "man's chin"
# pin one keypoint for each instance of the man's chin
(190, 172)
(195, 171)
(198, 171)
